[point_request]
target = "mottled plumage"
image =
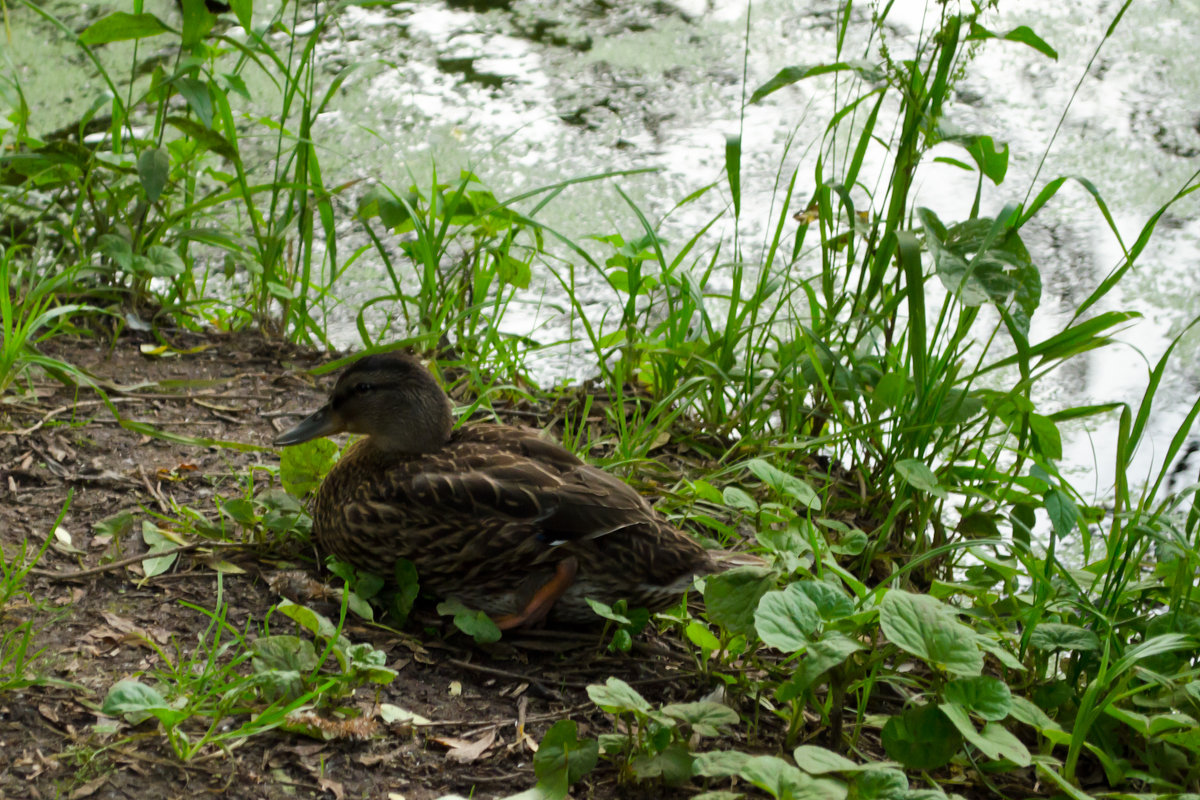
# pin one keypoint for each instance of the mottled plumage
(489, 514)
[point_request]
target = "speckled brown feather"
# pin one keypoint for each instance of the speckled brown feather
(487, 517)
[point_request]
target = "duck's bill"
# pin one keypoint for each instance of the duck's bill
(320, 423)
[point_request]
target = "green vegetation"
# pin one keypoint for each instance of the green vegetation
(917, 618)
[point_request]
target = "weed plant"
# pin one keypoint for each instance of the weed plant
(864, 395)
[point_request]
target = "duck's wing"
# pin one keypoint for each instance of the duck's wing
(566, 505)
(518, 478)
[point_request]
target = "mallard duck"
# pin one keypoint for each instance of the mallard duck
(492, 515)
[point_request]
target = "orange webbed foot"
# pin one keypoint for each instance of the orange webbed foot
(543, 599)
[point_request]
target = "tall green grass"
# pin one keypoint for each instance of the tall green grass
(864, 391)
(196, 204)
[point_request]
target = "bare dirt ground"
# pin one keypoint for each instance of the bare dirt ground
(96, 629)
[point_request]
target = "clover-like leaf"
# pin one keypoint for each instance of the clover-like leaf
(785, 619)
(921, 738)
(927, 628)
(476, 624)
(988, 697)
(616, 697)
(731, 597)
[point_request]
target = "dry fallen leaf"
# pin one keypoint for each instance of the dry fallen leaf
(103, 636)
(465, 751)
(339, 791)
(122, 624)
(90, 788)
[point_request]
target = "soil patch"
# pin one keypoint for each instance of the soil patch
(97, 629)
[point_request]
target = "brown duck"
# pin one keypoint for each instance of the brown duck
(492, 515)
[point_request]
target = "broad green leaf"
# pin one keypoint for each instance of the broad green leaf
(1024, 710)
(705, 491)
(605, 611)
(303, 466)
(277, 289)
(367, 585)
(988, 697)
(306, 618)
(129, 696)
(785, 619)
(881, 784)
(818, 760)
(737, 498)
(205, 136)
(1047, 438)
(983, 261)
(283, 652)
(1062, 512)
(787, 540)
(927, 628)
(140, 701)
(513, 271)
(731, 597)
(821, 656)
(157, 543)
(243, 10)
(832, 603)
(562, 751)
(704, 716)
(918, 475)
(699, 635)
(618, 697)
(161, 262)
(921, 738)
(788, 75)
(1187, 739)
(476, 624)
(115, 526)
(359, 606)
(407, 588)
(195, 91)
(893, 391)
(1022, 33)
(120, 26)
(1058, 636)
(240, 510)
(362, 660)
(118, 249)
(672, 765)
(773, 775)
(994, 741)
(1161, 724)
(992, 161)
(197, 21)
(784, 484)
(153, 167)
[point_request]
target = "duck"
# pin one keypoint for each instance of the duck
(495, 516)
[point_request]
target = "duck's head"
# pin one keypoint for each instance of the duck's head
(389, 397)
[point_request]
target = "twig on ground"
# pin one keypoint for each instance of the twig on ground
(125, 562)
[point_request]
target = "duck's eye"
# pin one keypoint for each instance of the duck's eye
(362, 388)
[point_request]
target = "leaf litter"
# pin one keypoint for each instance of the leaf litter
(410, 737)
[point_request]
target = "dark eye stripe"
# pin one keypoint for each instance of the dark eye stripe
(359, 388)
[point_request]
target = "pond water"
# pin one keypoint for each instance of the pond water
(529, 93)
